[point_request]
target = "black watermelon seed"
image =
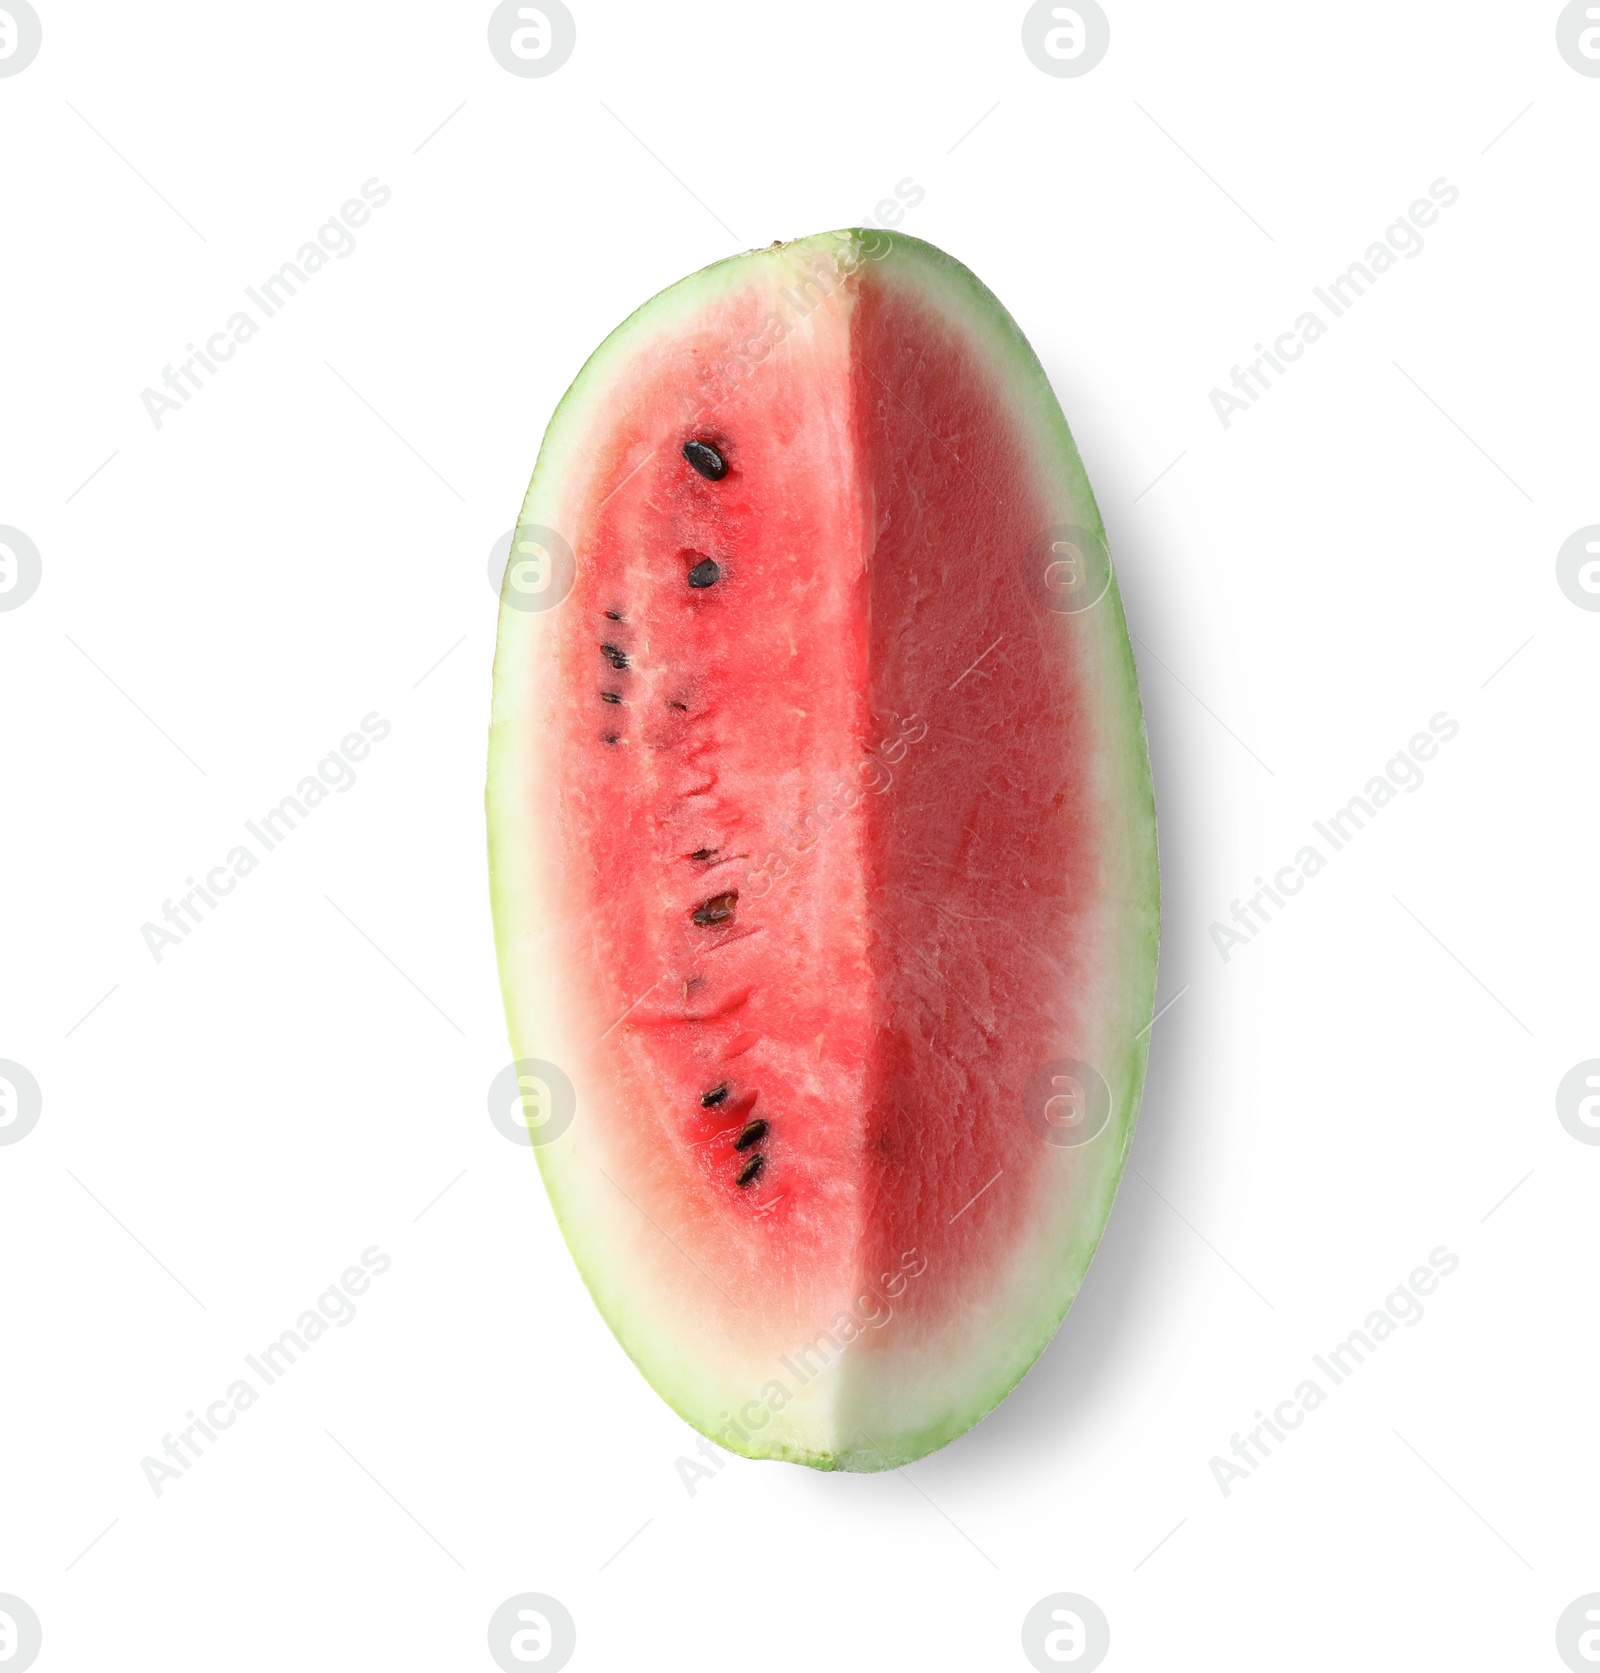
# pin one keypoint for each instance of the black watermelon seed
(610, 696)
(617, 658)
(609, 738)
(705, 459)
(717, 910)
(751, 1169)
(674, 704)
(710, 1100)
(613, 616)
(702, 853)
(753, 1134)
(706, 573)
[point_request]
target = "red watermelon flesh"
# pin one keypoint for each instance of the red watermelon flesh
(822, 848)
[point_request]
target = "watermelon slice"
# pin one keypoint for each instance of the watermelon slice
(822, 848)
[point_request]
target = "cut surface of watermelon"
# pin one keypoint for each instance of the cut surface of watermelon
(822, 847)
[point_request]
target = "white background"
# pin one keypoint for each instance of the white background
(231, 592)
